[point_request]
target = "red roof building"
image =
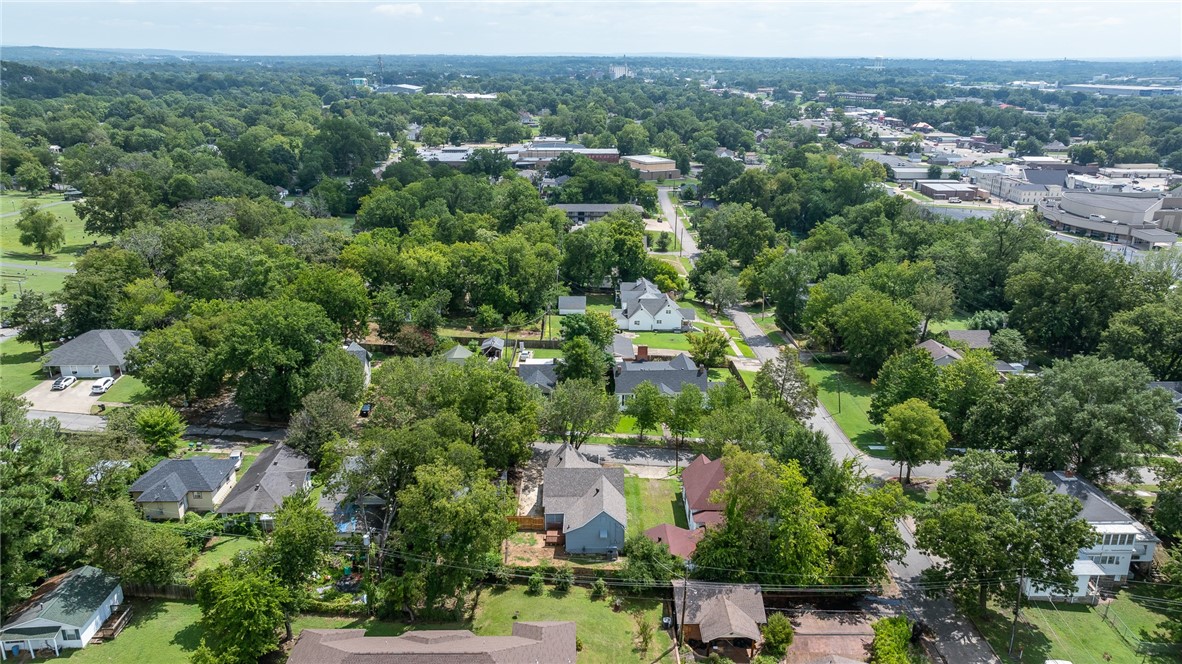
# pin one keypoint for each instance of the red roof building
(699, 479)
(681, 542)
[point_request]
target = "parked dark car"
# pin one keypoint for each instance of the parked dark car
(366, 409)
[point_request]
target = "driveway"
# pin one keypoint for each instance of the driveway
(74, 399)
(70, 421)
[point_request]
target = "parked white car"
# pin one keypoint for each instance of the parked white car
(236, 457)
(63, 382)
(101, 385)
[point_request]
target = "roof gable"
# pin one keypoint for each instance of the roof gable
(721, 610)
(277, 473)
(67, 599)
(701, 478)
(171, 479)
(96, 347)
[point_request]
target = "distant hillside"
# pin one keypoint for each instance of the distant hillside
(54, 54)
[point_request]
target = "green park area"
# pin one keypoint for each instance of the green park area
(20, 365)
(24, 267)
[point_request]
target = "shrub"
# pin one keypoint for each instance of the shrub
(891, 637)
(503, 575)
(535, 585)
(487, 317)
(564, 578)
(777, 635)
(598, 589)
(578, 644)
(644, 631)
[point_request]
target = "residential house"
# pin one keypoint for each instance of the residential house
(942, 355)
(351, 514)
(572, 304)
(539, 374)
(701, 478)
(67, 611)
(93, 354)
(681, 542)
(457, 355)
(356, 350)
(1122, 543)
(583, 503)
(174, 487)
(1174, 389)
(530, 643)
(276, 474)
(670, 377)
(973, 338)
(720, 618)
(645, 308)
(622, 348)
(858, 143)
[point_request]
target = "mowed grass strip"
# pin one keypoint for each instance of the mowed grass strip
(848, 400)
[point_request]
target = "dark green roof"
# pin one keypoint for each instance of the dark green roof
(70, 599)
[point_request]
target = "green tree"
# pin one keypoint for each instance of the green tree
(170, 362)
(36, 319)
(598, 326)
(120, 542)
(340, 293)
(387, 208)
(723, 290)
(935, 172)
(1099, 417)
(241, 611)
(302, 537)
(1167, 508)
(934, 302)
(92, 294)
(685, 412)
(1150, 334)
(488, 318)
(777, 635)
(486, 162)
(337, 371)
(909, 374)
(323, 417)
(647, 563)
(962, 385)
(866, 535)
(582, 359)
(40, 229)
(873, 327)
(1008, 345)
(148, 303)
(914, 435)
(648, 406)
(1006, 420)
(981, 533)
(709, 347)
(578, 409)
(448, 518)
(114, 203)
(161, 428)
(787, 282)
(782, 381)
(33, 177)
(708, 264)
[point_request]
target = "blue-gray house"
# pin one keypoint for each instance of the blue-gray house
(583, 503)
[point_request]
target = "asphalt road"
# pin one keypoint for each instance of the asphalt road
(689, 247)
(71, 421)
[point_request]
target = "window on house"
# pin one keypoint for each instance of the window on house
(659, 321)
(603, 534)
(196, 494)
(71, 635)
(1106, 560)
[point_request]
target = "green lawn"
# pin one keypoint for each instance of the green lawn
(665, 340)
(546, 353)
(222, 550)
(20, 365)
(674, 242)
(1073, 632)
(748, 378)
(607, 635)
(914, 194)
(957, 322)
(128, 389)
(848, 400)
(159, 632)
(652, 502)
(600, 302)
(627, 424)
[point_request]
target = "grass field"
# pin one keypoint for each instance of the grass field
(748, 378)
(20, 365)
(546, 353)
(848, 400)
(159, 632)
(128, 389)
(652, 502)
(222, 550)
(627, 424)
(607, 635)
(18, 262)
(957, 322)
(600, 302)
(666, 340)
(1073, 632)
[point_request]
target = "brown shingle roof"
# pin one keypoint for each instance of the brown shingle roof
(721, 610)
(701, 477)
(681, 542)
(531, 643)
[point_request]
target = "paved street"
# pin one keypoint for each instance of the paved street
(626, 454)
(689, 247)
(71, 421)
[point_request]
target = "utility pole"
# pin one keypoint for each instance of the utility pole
(684, 605)
(1017, 607)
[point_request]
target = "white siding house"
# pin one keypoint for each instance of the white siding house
(644, 308)
(65, 612)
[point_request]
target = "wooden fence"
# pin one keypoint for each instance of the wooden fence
(170, 591)
(534, 523)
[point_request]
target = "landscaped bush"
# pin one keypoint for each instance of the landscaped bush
(536, 584)
(564, 578)
(503, 576)
(777, 635)
(598, 589)
(891, 638)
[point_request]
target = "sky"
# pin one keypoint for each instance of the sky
(951, 29)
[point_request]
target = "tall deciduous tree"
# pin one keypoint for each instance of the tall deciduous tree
(934, 302)
(114, 203)
(987, 537)
(962, 385)
(161, 428)
(1150, 334)
(40, 229)
(582, 359)
(302, 537)
(872, 328)
(1099, 417)
(322, 417)
(648, 406)
(578, 409)
(685, 412)
(915, 434)
(170, 362)
(36, 319)
(1005, 421)
(341, 293)
(119, 541)
(909, 374)
(241, 611)
(598, 326)
(783, 382)
(723, 290)
(709, 347)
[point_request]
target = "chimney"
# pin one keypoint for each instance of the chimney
(1069, 474)
(619, 368)
(641, 353)
(256, 487)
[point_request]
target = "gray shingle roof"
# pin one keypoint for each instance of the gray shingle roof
(541, 376)
(568, 457)
(669, 377)
(564, 488)
(493, 342)
(69, 599)
(721, 610)
(940, 353)
(358, 351)
(601, 498)
(277, 473)
(169, 480)
(1097, 506)
(578, 302)
(457, 354)
(974, 338)
(96, 347)
(622, 347)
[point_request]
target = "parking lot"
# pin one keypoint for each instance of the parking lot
(74, 399)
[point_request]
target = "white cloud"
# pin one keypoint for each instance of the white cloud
(928, 6)
(400, 9)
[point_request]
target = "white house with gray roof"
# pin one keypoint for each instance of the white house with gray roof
(583, 503)
(175, 487)
(93, 354)
(65, 612)
(645, 308)
(670, 377)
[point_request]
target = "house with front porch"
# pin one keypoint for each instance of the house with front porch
(67, 611)
(723, 618)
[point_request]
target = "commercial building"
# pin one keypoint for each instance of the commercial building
(1124, 90)
(546, 149)
(947, 189)
(399, 89)
(652, 167)
(450, 155)
(858, 97)
(898, 168)
(1130, 219)
(583, 213)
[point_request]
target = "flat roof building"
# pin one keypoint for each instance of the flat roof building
(652, 167)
